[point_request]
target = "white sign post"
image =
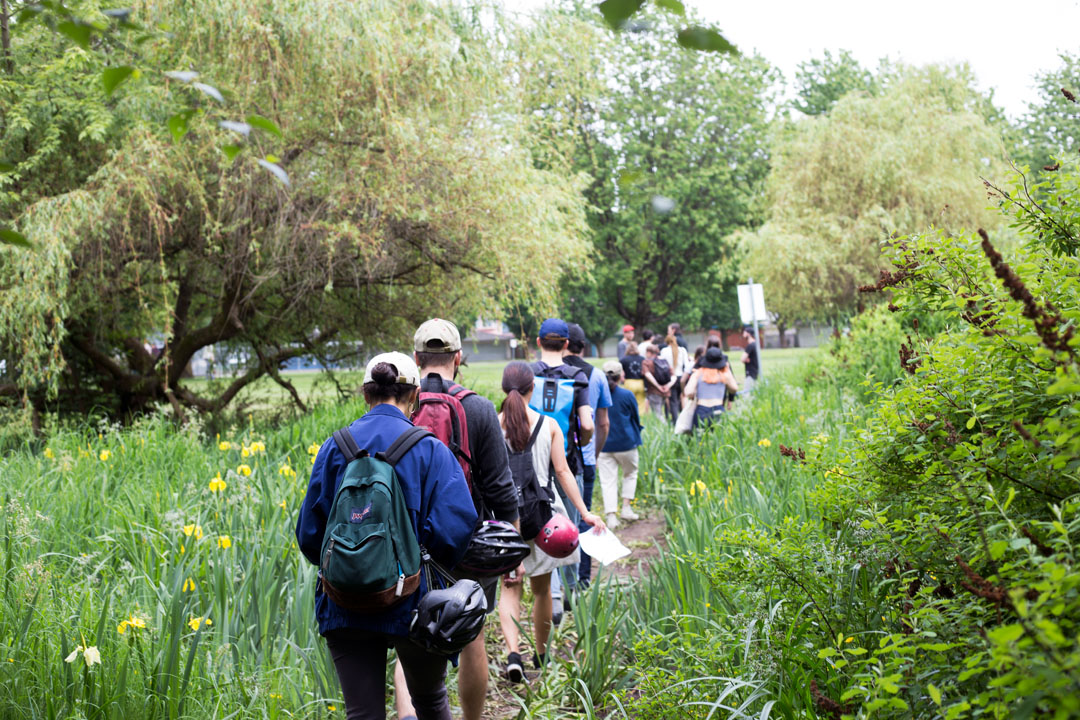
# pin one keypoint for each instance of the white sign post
(752, 309)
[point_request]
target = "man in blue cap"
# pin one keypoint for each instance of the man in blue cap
(562, 392)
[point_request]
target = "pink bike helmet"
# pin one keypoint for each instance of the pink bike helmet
(559, 537)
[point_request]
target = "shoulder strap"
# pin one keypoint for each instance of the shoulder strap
(403, 444)
(535, 434)
(459, 391)
(347, 444)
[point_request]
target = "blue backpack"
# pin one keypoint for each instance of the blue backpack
(553, 395)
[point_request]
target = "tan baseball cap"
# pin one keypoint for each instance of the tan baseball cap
(408, 374)
(437, 336)
(612, 367)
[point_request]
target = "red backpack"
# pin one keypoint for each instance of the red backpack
(442, 414)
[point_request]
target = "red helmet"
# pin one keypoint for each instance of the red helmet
(559, 537)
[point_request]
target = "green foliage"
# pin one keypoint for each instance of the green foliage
(1050, 130)
(820, 83)
(866, 356)
(872, 168)
(401, 195)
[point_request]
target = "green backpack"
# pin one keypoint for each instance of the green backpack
(370, 554)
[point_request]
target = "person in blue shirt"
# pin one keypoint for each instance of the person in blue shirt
(621, 449)
(599, 401)
(441, 508)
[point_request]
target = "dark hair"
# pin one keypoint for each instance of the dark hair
(713, 341)
(612, 381)
(675, 328)
(699, 352)
(517, 381)
(384, 385)
(441, 359)
(647, 334)
(575, 347)
(553, 344)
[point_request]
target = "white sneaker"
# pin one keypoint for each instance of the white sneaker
(612, 522)
(629, 514)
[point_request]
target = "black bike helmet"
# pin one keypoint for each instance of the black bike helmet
(495, 548)
(448, 619)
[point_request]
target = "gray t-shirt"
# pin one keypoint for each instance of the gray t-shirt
(491, 466)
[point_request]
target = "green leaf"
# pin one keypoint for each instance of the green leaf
(231, 151)
(6, 167)
(76, 31)
(178, 124)
(971, 422)
(112, 77)
(1005, 634)
(697, 37)
(10, 237)
(272, 158)
(673, 6)
(617, 12)
(935, 694)
(277, 171)
(258, 121)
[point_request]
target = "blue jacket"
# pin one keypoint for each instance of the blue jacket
(436, 494)
(625, 431)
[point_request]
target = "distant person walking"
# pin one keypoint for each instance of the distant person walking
(657, 381)
(621, 449)
(627, 338)
(526, 430)
(437, 351)
(710, 385)
(750, 358)
(635, 380)
(678, 359)
(442, 514)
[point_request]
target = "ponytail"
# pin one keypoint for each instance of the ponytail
(517, 381)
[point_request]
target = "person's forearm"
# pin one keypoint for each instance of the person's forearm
(570, 489)
(603, 425)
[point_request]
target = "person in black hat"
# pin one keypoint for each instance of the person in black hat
(711, 384)
(750, 357)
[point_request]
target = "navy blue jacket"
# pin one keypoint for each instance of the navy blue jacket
(625, 431)
(436, 494)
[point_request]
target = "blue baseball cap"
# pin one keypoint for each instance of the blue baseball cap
(554, 328)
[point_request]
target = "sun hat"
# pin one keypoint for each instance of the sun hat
(437, 336)
(406, 368)
(714, 359)
(554, 328)
(628, 328)
(612, 367)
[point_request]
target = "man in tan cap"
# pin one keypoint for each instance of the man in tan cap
(437, 351)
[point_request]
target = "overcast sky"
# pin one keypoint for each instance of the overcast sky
(1006, 43)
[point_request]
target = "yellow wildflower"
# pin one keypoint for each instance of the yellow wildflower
(189, 585)
(282, 505)
(195, 530)
(90, 655)
(217, 484)
(258, 446)
(702, 488)
(850, 639)
(244, 470)
(286, 471)
(194, 623)
(331, 708)
(313, 449)
(276, 696)
(134, 622)
(224, 446)
(104, 455)
(182, 549)
(245, 451)
(49, 453)
(312, 459)
(764, 442)
(224, 542)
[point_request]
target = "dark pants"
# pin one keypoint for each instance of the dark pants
(588, 478)
(360, 659)
(705, 416)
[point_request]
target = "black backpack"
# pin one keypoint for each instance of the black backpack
(534, 500)
(661, 371)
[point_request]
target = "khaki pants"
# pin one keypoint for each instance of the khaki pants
(608, 466)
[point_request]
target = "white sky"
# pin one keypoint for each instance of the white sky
(1006, 43)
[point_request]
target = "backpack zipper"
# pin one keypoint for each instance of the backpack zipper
(326, 556)
(400, 581)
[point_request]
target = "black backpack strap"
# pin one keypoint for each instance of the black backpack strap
(535, 434)
(347, 444)
(403, 444)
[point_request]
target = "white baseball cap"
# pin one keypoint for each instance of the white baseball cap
(406, 368)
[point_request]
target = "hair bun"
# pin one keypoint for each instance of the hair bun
(384, 374)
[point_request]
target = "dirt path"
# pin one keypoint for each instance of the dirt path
(504, 698)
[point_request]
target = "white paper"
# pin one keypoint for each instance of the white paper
(605, 548)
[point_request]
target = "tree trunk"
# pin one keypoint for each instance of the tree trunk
(5, 38)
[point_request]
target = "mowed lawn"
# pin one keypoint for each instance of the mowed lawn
(317, 387)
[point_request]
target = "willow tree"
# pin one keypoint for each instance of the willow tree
(871, 169)
(411, 194)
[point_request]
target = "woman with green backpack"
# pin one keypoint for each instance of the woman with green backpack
(416, 497)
